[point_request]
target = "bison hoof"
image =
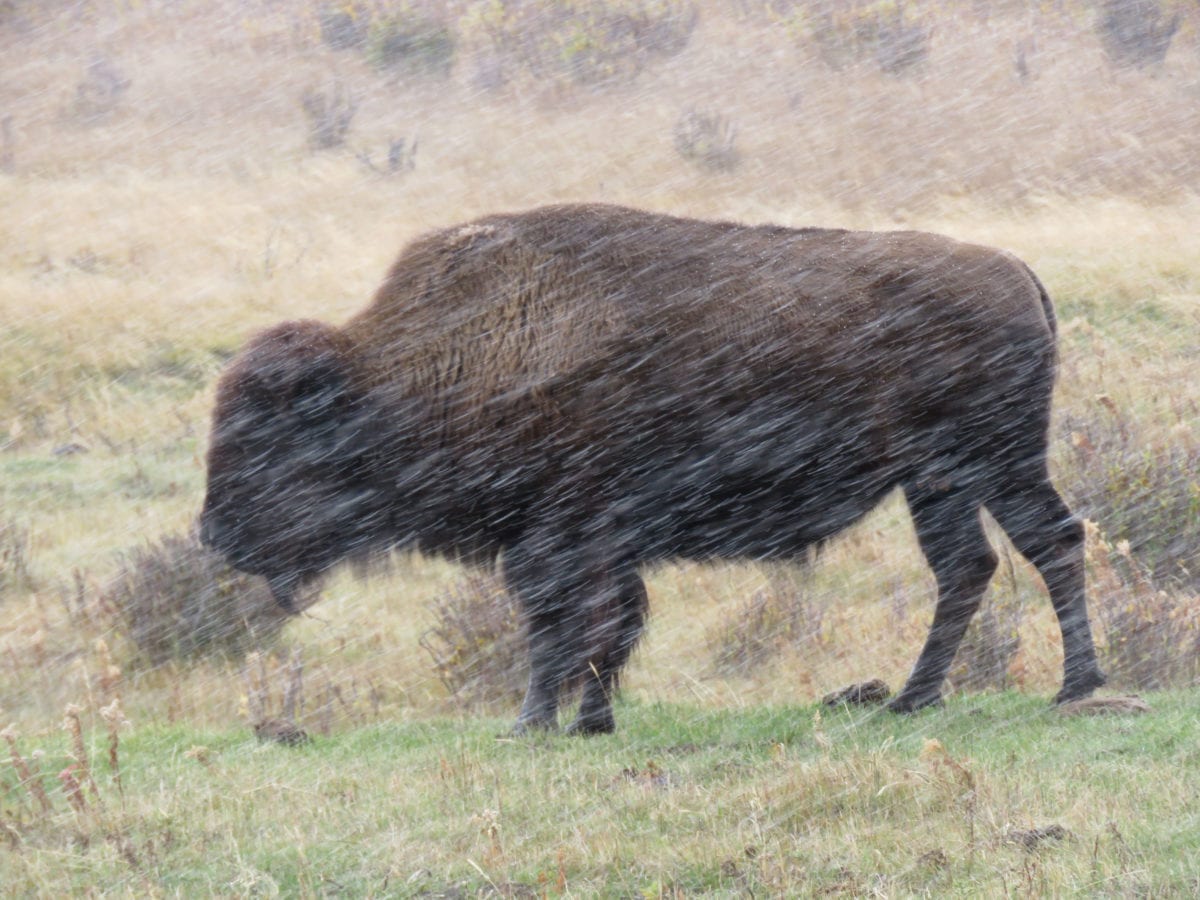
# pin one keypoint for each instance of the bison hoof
(1081, 687)
(592, 725)
(911, 703)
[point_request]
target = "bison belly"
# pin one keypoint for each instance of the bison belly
(751, 486)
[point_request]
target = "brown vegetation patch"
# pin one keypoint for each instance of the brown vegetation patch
(175, 600)
(477, 643)
(1104, 706)
(280, 731)
(867, 693)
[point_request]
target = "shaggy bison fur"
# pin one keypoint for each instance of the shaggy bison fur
(586, 389)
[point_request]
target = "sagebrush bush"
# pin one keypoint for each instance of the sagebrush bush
(411, 43)
(477, 644)
(585, 42)
(707, 139)
(879, 34)
(778, 615)
(176, 600)
(1139, 485)
(329, 111)
(1135, 32)
(343, 28)
(1150, 638)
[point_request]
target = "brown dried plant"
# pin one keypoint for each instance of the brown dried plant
(1151, 636)
(476, 643)
(31, 778)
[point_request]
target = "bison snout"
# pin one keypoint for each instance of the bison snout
(217, 533)
(208, 533)
(222, 534)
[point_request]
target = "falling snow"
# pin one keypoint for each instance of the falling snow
(370, 363)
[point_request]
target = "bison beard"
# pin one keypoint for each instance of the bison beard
(587, 389)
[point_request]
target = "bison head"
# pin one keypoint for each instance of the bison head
(289, 492)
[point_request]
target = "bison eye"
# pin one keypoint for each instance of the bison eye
(312, 401)
(318, 394)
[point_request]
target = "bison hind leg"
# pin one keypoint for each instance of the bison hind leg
(1043, 530)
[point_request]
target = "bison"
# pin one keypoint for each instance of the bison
(582, 390)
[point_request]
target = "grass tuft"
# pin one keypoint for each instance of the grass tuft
(175, 600)
(477, 644)
(1151, 636)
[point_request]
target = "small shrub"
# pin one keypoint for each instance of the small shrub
(401, 157)
(595, 49)
(707, 139)
(663, 29)
(779, 615)
(14, 558)
(343, 28)
(1145, 491)
(412, 44)
(900, 46)
(99, 92)
(1134, 33)
(477, 644)
(176, 600)
(1151, 637)
(330, 112)
(591, 43)
(846, 36)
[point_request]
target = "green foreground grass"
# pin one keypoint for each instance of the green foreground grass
(960, 801)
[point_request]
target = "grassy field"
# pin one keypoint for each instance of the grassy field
(992, 796)
(160, 200)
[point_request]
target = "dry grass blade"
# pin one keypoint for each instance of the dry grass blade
(30, 778)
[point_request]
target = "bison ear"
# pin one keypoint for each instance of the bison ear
(321, 393)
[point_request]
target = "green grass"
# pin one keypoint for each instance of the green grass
(768, 800)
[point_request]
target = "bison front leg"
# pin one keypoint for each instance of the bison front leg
(584, 614)
(548, 578)
(952, 539)
(555, 644)
(615, 626)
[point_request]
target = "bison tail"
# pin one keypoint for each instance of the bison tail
(1047, 304)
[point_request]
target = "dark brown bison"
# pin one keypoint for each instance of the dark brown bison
(586, 389)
